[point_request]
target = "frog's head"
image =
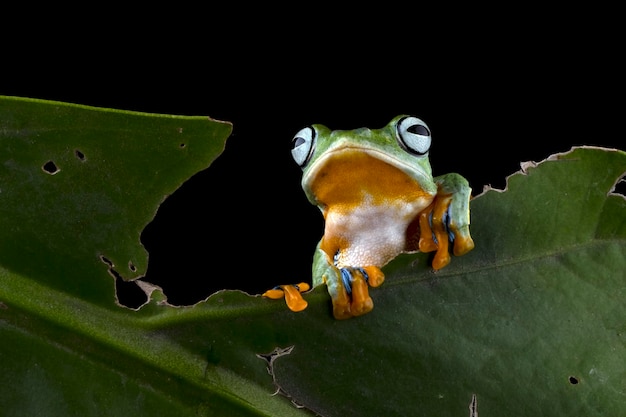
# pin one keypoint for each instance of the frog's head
(382, 161)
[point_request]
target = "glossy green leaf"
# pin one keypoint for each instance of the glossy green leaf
(532, 322)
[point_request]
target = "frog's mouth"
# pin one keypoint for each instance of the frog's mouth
(355, 175)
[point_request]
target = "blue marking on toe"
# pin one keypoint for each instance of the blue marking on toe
(365, 276)
(346, 277)
(430, 223)
(336, 257)
(446, 223)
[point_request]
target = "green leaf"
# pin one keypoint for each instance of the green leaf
(530, 322)
(78, 185)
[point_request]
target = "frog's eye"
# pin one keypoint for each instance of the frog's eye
(413, 135)
(302, 145)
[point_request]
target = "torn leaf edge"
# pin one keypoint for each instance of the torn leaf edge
(527, 166)
(270, 358)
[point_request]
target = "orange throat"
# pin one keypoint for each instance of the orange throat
(354, 178)
(368, 205)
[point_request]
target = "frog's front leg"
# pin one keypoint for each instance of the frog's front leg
(447, 219)
(347, 286)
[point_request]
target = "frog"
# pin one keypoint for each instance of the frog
(379, 199)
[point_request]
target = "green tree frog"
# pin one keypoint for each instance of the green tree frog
(379, 199)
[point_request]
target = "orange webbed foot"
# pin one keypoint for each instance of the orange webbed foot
(292, 294)
(349, 290)
(433, 233)
(438, 229)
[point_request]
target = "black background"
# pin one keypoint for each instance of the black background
(495, 92)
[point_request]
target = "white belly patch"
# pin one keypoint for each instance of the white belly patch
(375, 234)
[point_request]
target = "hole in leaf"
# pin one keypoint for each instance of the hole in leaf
(106, 261)
(189, 270)
(573, 380)
(182, 145)
(50, 167)
(473, 406)
(132, 266)
(620, 187)
(79, 155)
(128, 292)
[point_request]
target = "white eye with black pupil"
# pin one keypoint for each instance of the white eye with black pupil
(303, 144)
(413, 135)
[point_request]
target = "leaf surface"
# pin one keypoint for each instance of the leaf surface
(530, 322)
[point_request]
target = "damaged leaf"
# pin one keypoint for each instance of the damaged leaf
(78, 185)
(532, 321)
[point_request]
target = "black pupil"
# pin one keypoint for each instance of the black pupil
(297, 141)
(418, 130)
